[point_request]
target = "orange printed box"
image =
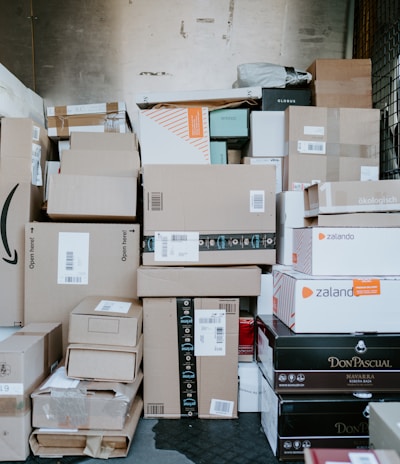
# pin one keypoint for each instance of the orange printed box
(174, 136)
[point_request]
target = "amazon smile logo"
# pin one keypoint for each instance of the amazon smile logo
(12, 257)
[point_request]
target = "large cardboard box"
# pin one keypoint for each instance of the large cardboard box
(17, 100)
(352, 197)
(91, 117)
(95, 198)
(174, 136)
(64, 403)
(267, 129)
(65, 262)
(188, 342)
(106, 321)
(110, 363)
(202, 215)
(112, 163)
(293, 422)
(269, 160)
(384, 425)
(336, 304)
(322, 363)
(24, 150)
(362, 251)
(163, 281)
(341, 82)
(95, 443)
(20, 203)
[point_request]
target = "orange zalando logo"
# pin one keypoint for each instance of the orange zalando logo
(321, 236)
(306, 292)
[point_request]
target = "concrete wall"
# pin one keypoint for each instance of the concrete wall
(88, 51)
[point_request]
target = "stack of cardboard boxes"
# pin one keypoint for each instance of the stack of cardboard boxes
(324, 353)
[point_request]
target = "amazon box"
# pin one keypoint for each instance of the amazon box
(106, 321)
(189, 219)
(189, 342)
(336, 304)
(66, 262)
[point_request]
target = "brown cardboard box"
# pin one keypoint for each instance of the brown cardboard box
(65, 262)
(350, 132)
(52, 333)
(187, 368)
(14, 438)
(110, 363)
(103, 141)
(113, 163)
(208, 214)
(98, 117)
(86, 197)
(106, 321)
(64, 403)
(341, 83)
(163, 281)
(96, 443)
(24, 150)
(352, 197)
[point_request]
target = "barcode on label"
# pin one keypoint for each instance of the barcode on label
(156, 201)
(73, 279)
(155, 409)
(210, 320)
(69, 261)
(230, 308)
(179, 237)
(219, 335)
(318, 148)
(35, 133)
(221, 407)
(257, 201)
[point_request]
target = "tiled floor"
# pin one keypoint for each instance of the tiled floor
(191, 441)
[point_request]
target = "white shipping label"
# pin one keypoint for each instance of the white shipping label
(11, 389)
(221, 407)
(113, 306)
(73, 258)
(176, 246)
(257, 201)
(315, 148)
(314, 130)
(362, 458)
(36, 168)
(210, 332)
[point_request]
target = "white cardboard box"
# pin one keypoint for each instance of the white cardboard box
(174, 136)
(267, 129)
(346, 250)
(250, 387)
(336, 304)
(289, 214)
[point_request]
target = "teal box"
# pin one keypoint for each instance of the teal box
(229, 123)
(219, 152)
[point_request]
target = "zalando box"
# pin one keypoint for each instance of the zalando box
(202, 215)
(109, 363)
(95, 198)
(64, 403)
(188, 343)
(65, 262)
(367, 251)
(174, 136)
(93, 443)
(106, 321)
(335, 304)
(169, 281)
(352, 197)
